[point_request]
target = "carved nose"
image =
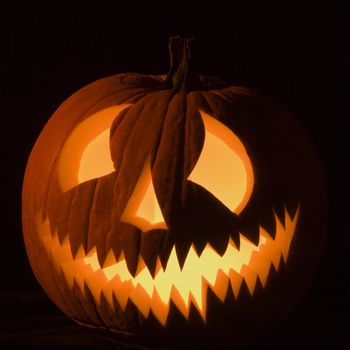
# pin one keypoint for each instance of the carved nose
(143, 209)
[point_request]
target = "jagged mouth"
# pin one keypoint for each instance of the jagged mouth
(186, 286)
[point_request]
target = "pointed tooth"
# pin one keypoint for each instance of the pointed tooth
(58, 211)
(125, 238)
(268, 222)
(253, 235)
(118, 312)
(131, 258)
(164, 255)
(79, 215)
(133, 318)
(150, 262)
(199, 246)
(90, 306)
(101, 218)
(250, 278)
(76, 297)
(75, 246)
(182, 252)
(110, 259)
(110, 318)
(118, 252)
(220, 246)
(126, 246)
(101, 255)
(61, 235)
(235, 282)
(250, 228)
(217, 237)
(279, 210)
(58, 227)
(54, 230)
(236, 239)
(151, 243)
(195, 315)
(292, 209)
(81, 253)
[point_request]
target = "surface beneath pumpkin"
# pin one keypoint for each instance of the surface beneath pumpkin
(31, 321)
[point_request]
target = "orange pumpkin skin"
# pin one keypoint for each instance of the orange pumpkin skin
(163, 126)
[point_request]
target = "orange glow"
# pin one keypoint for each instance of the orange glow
(95, 160)
(143, 209)
(184, 286)
(224, 167)
(85, 154)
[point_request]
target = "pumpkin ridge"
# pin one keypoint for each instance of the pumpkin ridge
(58, 288)
(61, 285)
(147, 249)
(117, 121)
(98, 318)
(124, 166)
(118, 101)
(157, 143)
(64, 231)
(78, 222)
(56, 209)
(141, 80)
(77, 295)
(157, 155)
(151, 241)
(131, 110)
(101, 214)
(86, 244)
(168, 157)
(122, 151)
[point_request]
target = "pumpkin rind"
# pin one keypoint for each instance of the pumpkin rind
(164, 126)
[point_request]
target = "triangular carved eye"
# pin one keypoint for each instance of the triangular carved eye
(223, 167)
(143, 209)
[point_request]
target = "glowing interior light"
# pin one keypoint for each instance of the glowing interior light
(143, 209)
(184, 286)
(224, 167)
(96, 159)
(85, 154)
(149, 207)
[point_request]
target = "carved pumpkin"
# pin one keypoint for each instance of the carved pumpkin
(173, 205)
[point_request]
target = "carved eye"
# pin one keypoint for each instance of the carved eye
(96, 160)
(85, 154)
(224, 167)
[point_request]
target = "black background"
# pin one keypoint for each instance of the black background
(298, 53)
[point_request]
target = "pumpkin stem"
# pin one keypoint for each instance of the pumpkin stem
(183, 74)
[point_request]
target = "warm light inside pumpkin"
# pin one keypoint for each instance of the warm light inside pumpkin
(229, 177)
(95, 161)
(184, 286)
(85, 154)
(224, 167)
(143, 209)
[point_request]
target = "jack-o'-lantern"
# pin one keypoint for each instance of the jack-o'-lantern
(173, 205)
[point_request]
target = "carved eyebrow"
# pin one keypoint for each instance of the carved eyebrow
(224, 167)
